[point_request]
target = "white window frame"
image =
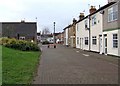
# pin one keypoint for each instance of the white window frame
(113, 13)
(94, 20)
(22, 38)
(94, 40)
(77, 28)
(115, 40)
(86, 24)
(86, 41)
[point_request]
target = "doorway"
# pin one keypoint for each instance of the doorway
(100, 44)
(105, 45)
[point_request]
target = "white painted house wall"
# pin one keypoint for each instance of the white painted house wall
(119, 43)
(77, 36)
(96, 30)
(66, 36)
(83, 32)
(110, 49)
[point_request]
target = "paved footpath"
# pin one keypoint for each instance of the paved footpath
(65, 65)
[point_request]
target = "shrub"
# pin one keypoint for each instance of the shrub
(19, 44)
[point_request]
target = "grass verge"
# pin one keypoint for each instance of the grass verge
(18, 67)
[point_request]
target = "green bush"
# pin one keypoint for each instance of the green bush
(19, 44)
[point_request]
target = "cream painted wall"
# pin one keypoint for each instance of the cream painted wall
(66, 36)
(77, 35)
(119, 43)
(96, 30)
(110, 49)
(82, 34)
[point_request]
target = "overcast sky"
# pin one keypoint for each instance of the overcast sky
(46, 11)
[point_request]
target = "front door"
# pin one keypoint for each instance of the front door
(100, 44)
(105, 46)
(71, 42)
(80, 43)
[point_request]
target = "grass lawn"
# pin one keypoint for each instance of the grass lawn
(0, 65)
(18, 67)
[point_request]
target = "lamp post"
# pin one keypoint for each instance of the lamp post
(54, 32)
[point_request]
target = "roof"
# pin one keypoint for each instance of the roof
(101, 8)
(18, 22)
(47, 35)
(67, 27)
(57, 34)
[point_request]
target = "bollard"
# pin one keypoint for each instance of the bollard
(54, 46)
(48, 46)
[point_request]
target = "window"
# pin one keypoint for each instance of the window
(115, 40)
(94, 40)
(77, 27)
(77, 40)
(86, 40)
(94, 20)
(112, 13)
(86, 24)
(22, 38)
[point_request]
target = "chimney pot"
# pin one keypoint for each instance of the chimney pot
(81, 16)
(74, 20)
(92, 9)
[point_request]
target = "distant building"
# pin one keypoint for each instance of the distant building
(70, 34)
(38, 37)
(59, 37)
(66, 35)
(45, 37)
(20, 30)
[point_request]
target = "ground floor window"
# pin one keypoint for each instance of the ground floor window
(94, 40)
(115, 40)
(22, 38)
(86, 40)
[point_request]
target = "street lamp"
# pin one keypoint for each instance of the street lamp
(54, 32)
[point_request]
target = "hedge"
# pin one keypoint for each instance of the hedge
(19, 44)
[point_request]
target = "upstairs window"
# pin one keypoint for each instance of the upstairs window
(77, 40)
(77, 27)
(94, 20)
(113, 13)
(86, 24)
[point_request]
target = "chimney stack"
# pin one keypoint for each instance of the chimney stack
(92, 9)
(81, 16)
(109, 1)
(74, 20)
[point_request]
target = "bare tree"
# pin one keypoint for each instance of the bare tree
(45, 30)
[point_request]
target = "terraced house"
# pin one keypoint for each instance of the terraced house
(111, 28)
(66, 36)
(82, 33)
(70, 34)
(100, 30)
